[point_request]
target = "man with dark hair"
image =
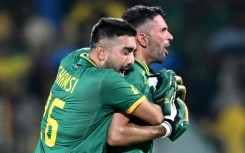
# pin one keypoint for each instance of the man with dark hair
(152, 39)
(88, 89)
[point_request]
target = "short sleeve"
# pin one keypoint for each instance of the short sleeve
(118, 94)
(137, 79)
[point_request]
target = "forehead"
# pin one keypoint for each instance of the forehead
(125, 41)
(157, 22)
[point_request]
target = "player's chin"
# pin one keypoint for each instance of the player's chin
(160, 58)
(159, 61)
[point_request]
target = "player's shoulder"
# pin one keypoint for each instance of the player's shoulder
(80, 51)
(73, 57)
(135, 72)
(76, 53)
(105, 75)
(111, 73)
(135, 69)
(110, 76)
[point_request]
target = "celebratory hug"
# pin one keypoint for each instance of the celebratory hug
(106, 99)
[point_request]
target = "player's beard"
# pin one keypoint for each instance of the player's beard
(109, 65)
(120, 69)
(156, 49)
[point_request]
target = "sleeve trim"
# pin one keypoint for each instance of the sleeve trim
(136, 104)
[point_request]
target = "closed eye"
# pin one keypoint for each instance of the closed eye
(164, 29)
(128, 50)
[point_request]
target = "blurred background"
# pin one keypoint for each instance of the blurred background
(208, 51)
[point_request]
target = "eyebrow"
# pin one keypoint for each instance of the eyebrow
(130, 48)
(164, 28)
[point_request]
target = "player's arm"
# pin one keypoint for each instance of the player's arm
(121, 96)
(122, 132)
(148, 112)
(174, 109)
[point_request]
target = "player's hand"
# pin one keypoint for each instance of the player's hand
(165, 92)
(177, 122)
(152, 82)
(165, 82)
(181, 90)
(182, 125)
(182, 109)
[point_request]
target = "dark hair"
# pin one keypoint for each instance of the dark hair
(110, 28)
(140, 14)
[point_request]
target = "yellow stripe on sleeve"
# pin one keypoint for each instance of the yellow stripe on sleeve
(136, 104)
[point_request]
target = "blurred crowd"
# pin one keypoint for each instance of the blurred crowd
(208, 51)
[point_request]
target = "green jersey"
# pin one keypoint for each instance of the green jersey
(80, 106)
(138, 76)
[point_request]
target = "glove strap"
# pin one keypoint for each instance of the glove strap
(168, 128)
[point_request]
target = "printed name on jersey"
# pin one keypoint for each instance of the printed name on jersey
(65, 80)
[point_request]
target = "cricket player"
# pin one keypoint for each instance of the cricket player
(88, 89)
(153, 39)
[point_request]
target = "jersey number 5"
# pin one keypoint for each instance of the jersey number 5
(51, 122)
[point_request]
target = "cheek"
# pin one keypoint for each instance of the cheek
(125, 60)
(162, 39)
(118, 59)
(159, 40)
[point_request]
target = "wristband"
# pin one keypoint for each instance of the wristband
(168, 128)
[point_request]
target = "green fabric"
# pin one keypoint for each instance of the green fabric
(137, 76)
(79, 109)
(165, 90)
(182, 124)
(166, 80)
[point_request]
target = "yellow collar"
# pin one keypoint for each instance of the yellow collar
(85, 56)
(145, 67)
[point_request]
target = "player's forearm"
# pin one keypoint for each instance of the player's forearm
(149, 112)
(133, 134)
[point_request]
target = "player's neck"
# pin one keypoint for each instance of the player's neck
(142, 59)
(95, 60)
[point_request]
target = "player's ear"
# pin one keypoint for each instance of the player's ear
(142, 39)
(100, 50)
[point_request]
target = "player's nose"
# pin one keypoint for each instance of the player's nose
(170, 36)
(131, 59)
